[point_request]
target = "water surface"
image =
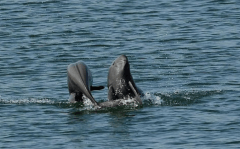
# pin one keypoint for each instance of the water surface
(183, 54)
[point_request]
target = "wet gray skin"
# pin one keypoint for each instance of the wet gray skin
(80, 82)
(120, 81)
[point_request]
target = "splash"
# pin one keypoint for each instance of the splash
(105, 104)
(151, 99)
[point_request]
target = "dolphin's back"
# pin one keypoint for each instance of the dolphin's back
(79, 77)
(80, 81)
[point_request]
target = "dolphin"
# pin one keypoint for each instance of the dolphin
(79, 79)
(120, 82)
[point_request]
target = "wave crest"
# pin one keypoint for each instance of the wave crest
(177, 98)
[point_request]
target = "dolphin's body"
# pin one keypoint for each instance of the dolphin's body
(120, 81)
(80, 82)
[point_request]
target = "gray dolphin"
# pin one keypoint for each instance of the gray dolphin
(79, 79)
(120, 81)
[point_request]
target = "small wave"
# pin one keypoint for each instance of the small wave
(177, 98)
(27, 101)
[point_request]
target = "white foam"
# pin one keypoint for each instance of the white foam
(129, 102)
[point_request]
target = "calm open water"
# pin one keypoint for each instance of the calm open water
(184, 55)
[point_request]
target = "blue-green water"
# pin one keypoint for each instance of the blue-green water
(184, 55)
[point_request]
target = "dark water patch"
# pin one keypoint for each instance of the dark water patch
(123, 110)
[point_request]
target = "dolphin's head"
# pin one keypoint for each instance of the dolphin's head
(121, 66)
(119, 70)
